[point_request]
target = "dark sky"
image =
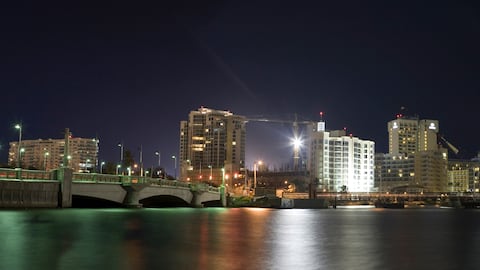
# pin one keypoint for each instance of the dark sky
(129, 71)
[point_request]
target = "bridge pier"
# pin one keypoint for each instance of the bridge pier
(64, 177)
(133, 194)
(196, 199)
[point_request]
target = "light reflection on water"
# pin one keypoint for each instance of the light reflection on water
(239, 238)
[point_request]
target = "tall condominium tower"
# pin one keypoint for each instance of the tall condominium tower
(408, 135)
(415, 162)
(339, 162)
(49, 154)
(212, 146)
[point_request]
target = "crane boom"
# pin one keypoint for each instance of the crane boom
(453, 148)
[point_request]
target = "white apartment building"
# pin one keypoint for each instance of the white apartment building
(338, 162)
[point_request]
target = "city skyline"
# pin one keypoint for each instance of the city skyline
(130, 74)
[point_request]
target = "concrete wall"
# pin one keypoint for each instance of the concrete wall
(28, 194)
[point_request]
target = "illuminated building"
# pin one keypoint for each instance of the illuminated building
(415, 162)
(408, 135)
(209, 141)
(392, 171)
(464, 175)
(339, 162)
(48, 154)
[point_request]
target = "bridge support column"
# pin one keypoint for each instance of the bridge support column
(132, 197)
(64, 177)
(223, 197)
(196, 200)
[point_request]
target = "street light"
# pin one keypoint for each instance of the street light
(19, 127)
(86, 165)
(157, 153)
(175, 165)
(45, 160)
(118, 167)
(222, 189)
(121, 154)
(101, 166)
(210, 166)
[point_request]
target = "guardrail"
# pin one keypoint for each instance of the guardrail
(21, 174)
(125, 180)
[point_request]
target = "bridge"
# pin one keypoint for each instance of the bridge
(59, 188)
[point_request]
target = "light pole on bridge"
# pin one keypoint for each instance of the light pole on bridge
(175, 166)
(19, 127)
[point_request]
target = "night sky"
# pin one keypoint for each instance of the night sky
(129, 71)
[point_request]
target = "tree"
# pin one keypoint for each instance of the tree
(128, 160)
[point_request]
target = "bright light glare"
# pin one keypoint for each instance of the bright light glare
(297, 143)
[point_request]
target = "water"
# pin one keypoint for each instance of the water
(239, 238)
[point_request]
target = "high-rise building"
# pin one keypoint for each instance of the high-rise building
(415, 162)
(408, 135)
(49, 154)
(212, 146)
(338, 162)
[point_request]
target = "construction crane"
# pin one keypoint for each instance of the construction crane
(296, 138)
(450, 146)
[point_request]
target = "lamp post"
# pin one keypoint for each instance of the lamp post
(101, 166)
(222, 189)
(22, 150)
(157, 153)
(118, 167)
(45, 160)
(86, 165)
(175, 165)
(19, 127)
(121, 154)
(210, 166)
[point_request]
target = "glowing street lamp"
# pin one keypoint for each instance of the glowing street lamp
(101, 166)
(157, 153)
(175, 165)
(118, 167)
(19, 127)
(45, 160)
(210, 166)
(86, 164)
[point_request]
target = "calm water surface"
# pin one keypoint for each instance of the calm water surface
(241, 238)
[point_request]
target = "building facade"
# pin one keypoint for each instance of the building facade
(394, 171)
(49, 154)
(212, 147)
(408, 135)
(415, 162)
(338, 162)
(464, 175)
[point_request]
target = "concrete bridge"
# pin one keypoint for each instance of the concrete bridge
(59, 188)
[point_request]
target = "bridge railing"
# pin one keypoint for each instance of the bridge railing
(21, 174)
(125, 180)
(97, 178)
